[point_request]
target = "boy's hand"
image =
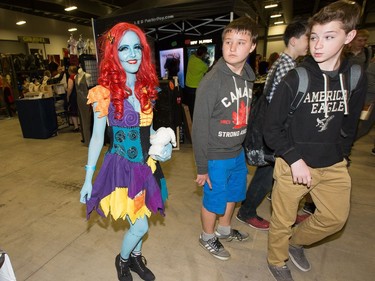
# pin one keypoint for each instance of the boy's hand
(202, 179)
(301, 173)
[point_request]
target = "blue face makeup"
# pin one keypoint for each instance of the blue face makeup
(130, 52)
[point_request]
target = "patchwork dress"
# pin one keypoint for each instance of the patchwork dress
(129, 183)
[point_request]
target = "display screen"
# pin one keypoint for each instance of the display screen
(173, 61)
(210, 58)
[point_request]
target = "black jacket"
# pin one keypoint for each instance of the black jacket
(319, 135)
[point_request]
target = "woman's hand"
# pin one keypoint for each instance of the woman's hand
(165, 154)
(86, 192)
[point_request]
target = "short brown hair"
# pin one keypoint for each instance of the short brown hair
(363, 33)
(242, 24)
(344, 11)
(73, 69)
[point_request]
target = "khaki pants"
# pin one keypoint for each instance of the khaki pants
(330, 192)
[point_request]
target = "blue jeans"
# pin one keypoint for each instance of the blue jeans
(259, 187)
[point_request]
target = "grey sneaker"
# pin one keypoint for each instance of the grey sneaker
(297, 255)
(215, 248)
(280, 273)
(234, 235)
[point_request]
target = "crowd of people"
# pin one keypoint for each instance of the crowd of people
(311, 152)
(303, 148)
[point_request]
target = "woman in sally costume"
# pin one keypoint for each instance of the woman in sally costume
(130, 184)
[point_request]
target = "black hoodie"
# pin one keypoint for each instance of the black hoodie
(323, 127)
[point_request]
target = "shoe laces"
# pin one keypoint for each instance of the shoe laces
(141, 262)
(215, 243)
(235, 234)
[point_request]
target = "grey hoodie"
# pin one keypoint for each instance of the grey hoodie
(220, 114)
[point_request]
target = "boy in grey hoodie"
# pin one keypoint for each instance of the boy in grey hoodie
(219, 128)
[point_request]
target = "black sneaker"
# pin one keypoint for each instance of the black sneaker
(281, 273)
(297, 255)
(373, 151)
(309, 208)
(123, 272)
(138, 265)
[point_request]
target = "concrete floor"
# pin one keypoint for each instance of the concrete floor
(44, 230)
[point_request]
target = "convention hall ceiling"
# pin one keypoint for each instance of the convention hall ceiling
(93, 9)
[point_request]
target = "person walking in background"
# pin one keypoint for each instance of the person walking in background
(61, 80)
(84, 109)
(366, 125)
(8, 97)
(357, 51)
(130, 184)
(263, 66)
(271, 60)
(296, 42)
(196, 69)
(72, 97)
(310, 152)
(219, 128)
(258, 59)
(362, 54)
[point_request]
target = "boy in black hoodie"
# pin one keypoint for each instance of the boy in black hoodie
(311, 152)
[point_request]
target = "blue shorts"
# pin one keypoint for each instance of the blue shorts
(228, 178)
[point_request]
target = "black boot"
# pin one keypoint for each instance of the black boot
(138, 265)
(123, 271)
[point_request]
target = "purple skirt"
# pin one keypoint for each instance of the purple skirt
(116, 172)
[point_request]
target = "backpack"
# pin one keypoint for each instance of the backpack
(256, 151)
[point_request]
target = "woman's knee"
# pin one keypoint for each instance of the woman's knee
(140, 227)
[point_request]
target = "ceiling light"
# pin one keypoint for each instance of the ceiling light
(270, 6)
(21, 22)
(275, 16)
(71, 8)
(279, 22)
(72, 29)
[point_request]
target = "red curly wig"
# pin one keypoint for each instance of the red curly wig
(112, 76)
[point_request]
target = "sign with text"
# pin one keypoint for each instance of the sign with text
(32, 39)
(199, 42)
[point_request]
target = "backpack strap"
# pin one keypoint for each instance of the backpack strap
(355, 74)
(303, 82)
